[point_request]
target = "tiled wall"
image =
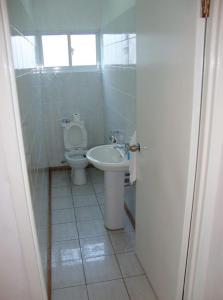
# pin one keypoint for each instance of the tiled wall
(119, 73)
(119, 97)
(32, 116)
(56, 15)
(118, 68)
(54, 96)
(66, 93)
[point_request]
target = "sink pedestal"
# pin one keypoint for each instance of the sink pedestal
(114, 199)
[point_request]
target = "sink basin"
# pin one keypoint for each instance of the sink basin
(114, 163)
(108, 158)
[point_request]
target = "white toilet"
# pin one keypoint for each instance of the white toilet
(75, 143)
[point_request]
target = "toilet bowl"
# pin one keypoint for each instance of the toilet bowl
(75, 143)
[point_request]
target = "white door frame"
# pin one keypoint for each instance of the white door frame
(16, 196)
(210, 147)
(209, 158)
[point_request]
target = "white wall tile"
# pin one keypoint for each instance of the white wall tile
(70, 92)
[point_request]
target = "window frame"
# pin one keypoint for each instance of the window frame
(128, 36)
(35, 46)
(40, 59)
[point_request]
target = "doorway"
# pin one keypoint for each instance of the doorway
(167, 125)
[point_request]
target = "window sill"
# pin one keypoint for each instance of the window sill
(55, 70)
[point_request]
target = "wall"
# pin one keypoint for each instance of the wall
(68, 91)
(119, 73)
(65, 93)
(57, 15)
(32, 116)
(21, 277)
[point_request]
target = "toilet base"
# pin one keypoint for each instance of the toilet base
(78, 176)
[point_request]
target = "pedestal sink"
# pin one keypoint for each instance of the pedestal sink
(113, 161)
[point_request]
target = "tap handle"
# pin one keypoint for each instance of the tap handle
(113, 139)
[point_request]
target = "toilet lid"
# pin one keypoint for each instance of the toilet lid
(75, 136)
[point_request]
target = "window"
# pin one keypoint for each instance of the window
(24, 51)
(83, 50)
(119, 49)
(55, 50)
(69, 50)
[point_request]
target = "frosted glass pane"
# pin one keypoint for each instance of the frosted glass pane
(23, 49)
(55, 51)
(83, 50)
(132, 50)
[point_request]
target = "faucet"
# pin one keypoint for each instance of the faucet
(124, 147)
(113, 139)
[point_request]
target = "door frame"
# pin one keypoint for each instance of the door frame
(209, 162)
(19, 197)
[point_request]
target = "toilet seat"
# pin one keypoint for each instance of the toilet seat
(75, 143)
(75, 136)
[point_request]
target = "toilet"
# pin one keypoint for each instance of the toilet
(75, 143)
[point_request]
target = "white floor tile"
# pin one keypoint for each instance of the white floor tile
(60, 179)
(63, 216)
(102, 209)
(82, 190)
(99, 188)
(97, 246)
(66, 250)
(60, 174)
(67, 274)
(64, 232)
(61, 191)
(72, 293)
(123, 242)
(99, 178)
(100, 264)
(62, 203)
(60, 182)
(110, 290)
(86, 200)
(101, 198)
(101, 268)
(139, 288)
(129, 264)
(91, 229)
(88, 213)
(95, 172)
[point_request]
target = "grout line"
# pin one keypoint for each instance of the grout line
(97, 198)
(116, 258)
(93, 283)
(62, 223)
(62, 208)
(81, 254)
(49, 250)
(70, 286)
(72, 240)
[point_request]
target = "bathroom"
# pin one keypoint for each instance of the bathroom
(89, 75)
(99, 86)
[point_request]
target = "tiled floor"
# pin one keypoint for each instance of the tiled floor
(89, 262)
